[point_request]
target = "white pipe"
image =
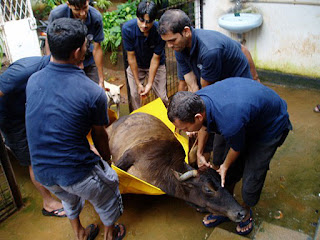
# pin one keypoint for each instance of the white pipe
(296, 2)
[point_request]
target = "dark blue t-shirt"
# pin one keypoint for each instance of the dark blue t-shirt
(62, 106)
(13, 84)
(93, 23)
(240, 109)
(213, 57)
(144, 47)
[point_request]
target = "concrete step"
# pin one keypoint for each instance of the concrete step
(268, 231)
(219, 233)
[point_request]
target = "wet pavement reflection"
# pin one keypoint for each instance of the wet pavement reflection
(289, 199)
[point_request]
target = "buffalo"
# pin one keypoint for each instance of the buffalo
(145, 147)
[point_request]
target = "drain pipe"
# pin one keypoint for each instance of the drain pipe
(315, 2)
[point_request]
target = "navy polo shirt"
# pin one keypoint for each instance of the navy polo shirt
(144, 47)
(243, 109)
(93, 23)
(13, 84)
(213, 57)
(60, 112)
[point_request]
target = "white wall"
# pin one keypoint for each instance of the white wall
(289, 38)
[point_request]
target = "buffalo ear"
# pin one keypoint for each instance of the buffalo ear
(176, 174)
(187, 184)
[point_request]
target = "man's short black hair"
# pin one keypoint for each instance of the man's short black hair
(77, 3)
(64, 36)
(147, 7)
(173, 20)
(184, 106)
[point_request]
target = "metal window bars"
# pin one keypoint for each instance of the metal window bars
(10, 196)
(15, 10)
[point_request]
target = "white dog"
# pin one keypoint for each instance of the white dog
(113, 95)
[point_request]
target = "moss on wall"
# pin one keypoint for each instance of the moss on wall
(287, 67)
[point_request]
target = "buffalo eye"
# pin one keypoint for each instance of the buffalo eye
(207, 190)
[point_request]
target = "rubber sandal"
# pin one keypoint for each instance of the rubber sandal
(244, 224)
(118, 230)
(219, 220)
(94, 230)
(54, 213)
(317, 108)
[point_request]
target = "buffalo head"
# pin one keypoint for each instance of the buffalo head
(203, 189)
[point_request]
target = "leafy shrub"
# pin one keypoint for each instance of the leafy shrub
(103, 4)
(111, 27)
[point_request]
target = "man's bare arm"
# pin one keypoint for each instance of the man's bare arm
(154, 65)
(132, 61)
(253, 69)
(98, 59)
(191, 81)
(101, 141)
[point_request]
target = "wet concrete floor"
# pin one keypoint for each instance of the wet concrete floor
(290, 198)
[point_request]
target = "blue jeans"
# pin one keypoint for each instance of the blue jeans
(16, 140)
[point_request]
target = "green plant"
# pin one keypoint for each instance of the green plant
(42, 8)
(103, 4)
(111, 27)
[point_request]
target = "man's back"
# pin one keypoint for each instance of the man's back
(213, 57)
(243, 108)
(13, 85)
(60, 112)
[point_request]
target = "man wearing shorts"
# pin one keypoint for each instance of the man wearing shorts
(58, 120)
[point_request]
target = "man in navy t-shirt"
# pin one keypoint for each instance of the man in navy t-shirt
(254, 121)
(91, 17)
(204, 56)
(146, 54)
(12, 120)
(58, 119)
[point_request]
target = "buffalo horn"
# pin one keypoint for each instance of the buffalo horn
(187, 175)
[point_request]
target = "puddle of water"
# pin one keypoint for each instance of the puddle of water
(292, 187)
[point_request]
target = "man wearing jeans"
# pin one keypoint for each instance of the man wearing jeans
(253, 120)
(12, 121)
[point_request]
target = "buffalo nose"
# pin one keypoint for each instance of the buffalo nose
(241, 214)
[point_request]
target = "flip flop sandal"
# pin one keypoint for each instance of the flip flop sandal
(317, 108)
(118, 230)
(54, 213)
(219, 220)
(244, 224)
(94, 230)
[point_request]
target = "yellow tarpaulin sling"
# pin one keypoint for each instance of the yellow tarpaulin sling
(131, 184)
